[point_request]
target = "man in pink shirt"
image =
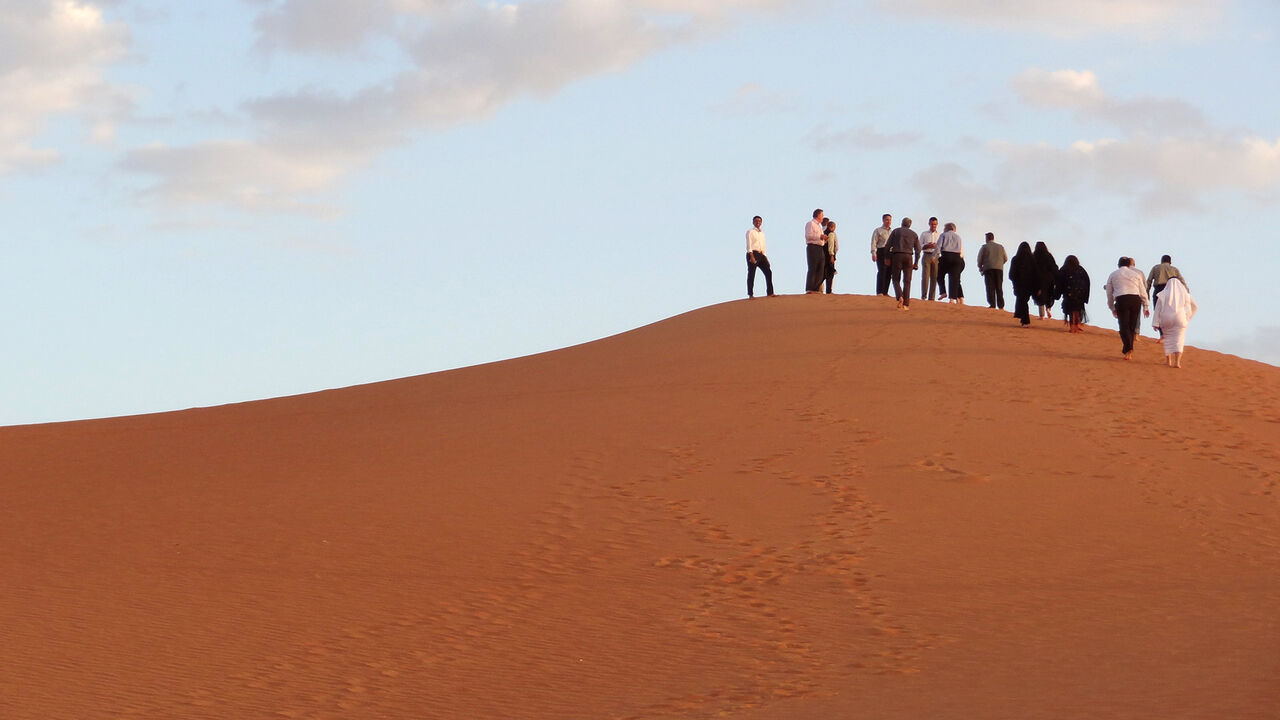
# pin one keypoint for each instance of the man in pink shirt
(815, 253)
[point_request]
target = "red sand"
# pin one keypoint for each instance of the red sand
(801, 507)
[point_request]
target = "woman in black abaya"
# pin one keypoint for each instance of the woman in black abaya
(1026, 282)
(1072, 286)
(1047, 270)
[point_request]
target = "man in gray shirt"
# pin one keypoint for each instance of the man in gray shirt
(904, 253)
(991, 260)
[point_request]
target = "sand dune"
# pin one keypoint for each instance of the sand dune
(803, 507)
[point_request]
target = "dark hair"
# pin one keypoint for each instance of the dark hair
(991, 236)
(933, 219)
(756, 218)
(886, 216)
(1124, 262)
(1165, 258)
(816, 213)
(1072, 262)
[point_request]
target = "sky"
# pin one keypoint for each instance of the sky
(229, 200)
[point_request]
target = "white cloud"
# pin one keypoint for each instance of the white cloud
(1166, 155)
(1071, 18)
(951, 191)
(1263, 344)
(864, 137)
(52, 56)
(464, 61)
(244, 175)
(1079, 91)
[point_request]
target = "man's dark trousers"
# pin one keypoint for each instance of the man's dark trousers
(1129, 313)
(902, 270)
(882, 271)
(761, 262)
(995, 287)
(817, 257)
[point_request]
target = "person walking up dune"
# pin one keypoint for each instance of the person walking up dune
(1047, 269)
(1072, 287)
(1174, 309)
(991, 260)
(1126, 290)
(904, 247)
(1026, 282)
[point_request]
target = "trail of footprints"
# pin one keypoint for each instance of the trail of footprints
(743, 607)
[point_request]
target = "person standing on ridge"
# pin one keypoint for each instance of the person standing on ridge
(756, 258)
(904, 250)
(815, 246)
(833, 247)
(929, 261)
(991, 260)
(951, 264)
(880, 253)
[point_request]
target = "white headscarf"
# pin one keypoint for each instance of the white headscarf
(1174, 305)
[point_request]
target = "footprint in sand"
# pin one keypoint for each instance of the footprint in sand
(949, 473)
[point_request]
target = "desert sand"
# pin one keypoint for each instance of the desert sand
(798, 507)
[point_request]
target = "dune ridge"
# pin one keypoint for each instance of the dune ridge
(796, 507)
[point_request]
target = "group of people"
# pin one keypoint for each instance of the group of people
(1035, 276)
(898, 252)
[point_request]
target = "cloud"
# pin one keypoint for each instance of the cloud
(1165, 155)
(463, 61)
(951, 191)
(52, 56)
(1079, 91)
(863, 137)
(248, 176)
(1166, 175)
(1071, 18)
(753, 98)
(1263, 344)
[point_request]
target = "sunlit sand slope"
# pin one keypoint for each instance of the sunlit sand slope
(800, 507)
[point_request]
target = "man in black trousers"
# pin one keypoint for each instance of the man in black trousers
(756, 258)
(880, 253)
(991, 260)
(1126, 296)
(815, 245)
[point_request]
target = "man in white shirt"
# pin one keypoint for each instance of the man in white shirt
(929, 261)
(815, 253)
(756, 258)
(1127, 294)
(880, 253)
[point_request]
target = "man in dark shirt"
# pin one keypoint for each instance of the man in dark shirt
(904, 257)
